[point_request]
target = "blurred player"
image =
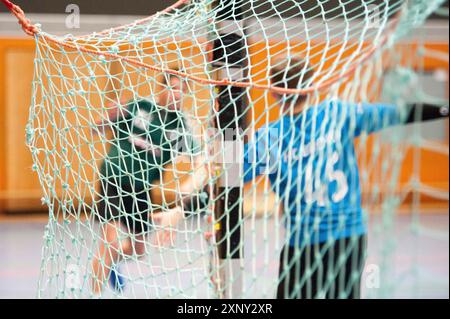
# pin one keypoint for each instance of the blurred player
(317, 177)
(146, 137)
(318, 181)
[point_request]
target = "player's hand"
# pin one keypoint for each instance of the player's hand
(209, 234)
(168, 220)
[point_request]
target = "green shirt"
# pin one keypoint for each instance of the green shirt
(146, 138)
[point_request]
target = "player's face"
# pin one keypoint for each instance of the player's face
(174, 93)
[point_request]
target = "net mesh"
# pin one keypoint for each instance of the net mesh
(129, 132)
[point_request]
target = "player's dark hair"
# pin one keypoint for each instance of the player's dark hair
(292, 73)
(166, 77)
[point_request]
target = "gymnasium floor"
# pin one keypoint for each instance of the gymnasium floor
(426, 247)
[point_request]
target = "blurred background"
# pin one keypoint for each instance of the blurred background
(23, 217)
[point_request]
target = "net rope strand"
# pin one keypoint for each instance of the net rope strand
(32, 30)
(27, 27)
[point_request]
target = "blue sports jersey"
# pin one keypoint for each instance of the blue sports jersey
(311, 163)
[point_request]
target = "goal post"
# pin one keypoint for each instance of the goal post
(229, 63)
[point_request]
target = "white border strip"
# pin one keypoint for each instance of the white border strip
(432, 31)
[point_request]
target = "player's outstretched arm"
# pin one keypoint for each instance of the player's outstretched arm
(371, 118)
(198, 178)
(192, 199)
(168, 220)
